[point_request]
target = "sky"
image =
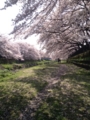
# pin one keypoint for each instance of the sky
(6, 25)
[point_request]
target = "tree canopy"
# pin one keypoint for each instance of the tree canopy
(63, 25)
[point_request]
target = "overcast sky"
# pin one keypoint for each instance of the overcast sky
(6, 25)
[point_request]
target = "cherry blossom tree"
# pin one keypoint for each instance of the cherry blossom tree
(28, 52)
(64, 26)
(13, 50)
(9, 50)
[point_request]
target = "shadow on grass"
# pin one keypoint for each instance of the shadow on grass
(11, 104)
(15, 95)
(63, 107)
(36, 83)
(81, 77)
(66, 100)
(14, 101)
(39, 80)
(69, 99)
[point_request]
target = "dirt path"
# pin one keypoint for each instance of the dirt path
(52, 81)
(65, 97)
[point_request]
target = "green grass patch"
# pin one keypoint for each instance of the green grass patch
(14, 97)
(69, 98)
(18, 87)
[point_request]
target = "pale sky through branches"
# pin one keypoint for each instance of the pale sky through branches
(6, 25)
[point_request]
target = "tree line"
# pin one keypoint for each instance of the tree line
(18, 50)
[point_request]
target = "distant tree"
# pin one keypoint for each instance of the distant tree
(28, 52)
(13, 50)
(8, 49)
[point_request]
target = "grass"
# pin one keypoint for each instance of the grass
(14, 97)
(18, 87)
(69, 99)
